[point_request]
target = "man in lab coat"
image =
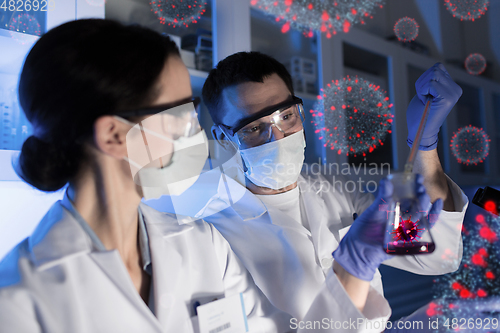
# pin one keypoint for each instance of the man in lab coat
(260, 195)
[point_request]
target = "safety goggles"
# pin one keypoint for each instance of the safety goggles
(255, 130)
(174, 120)
(156, 137)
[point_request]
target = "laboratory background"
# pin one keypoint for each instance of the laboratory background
(378, 46)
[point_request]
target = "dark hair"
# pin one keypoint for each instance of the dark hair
(239, 68)
(74, 74)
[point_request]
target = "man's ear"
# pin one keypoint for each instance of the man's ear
(221, 137)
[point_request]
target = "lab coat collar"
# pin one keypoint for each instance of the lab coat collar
(60, 237)
(56, 237)
(168, 262)
(59, 226)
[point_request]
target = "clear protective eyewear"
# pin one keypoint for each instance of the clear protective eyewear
(173, 120)
(154, 138)
(255, 130)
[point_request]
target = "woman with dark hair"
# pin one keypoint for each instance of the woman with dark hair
(113, 117)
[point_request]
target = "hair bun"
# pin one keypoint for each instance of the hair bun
(45, 165)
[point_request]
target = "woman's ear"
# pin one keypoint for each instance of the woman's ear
(109, 136)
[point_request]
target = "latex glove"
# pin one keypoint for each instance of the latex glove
(445, 93)
(361, 250)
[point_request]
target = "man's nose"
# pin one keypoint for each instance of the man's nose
(276, 134)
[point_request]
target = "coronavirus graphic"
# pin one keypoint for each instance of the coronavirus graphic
(407, 231)
(328, 17)
(475, 64)
(473, 289)
(470, 145)
(177, 13)
(468, 10)
(25, 24)
(352, 116)
(406, 29)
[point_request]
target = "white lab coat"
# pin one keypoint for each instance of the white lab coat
(256, 231)
(54, 281)
(330, 214)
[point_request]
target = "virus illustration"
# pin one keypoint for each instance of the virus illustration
(470, 145)
(352, 116)
(177, 13)
(406, 29)
(468, 10)
(474, 288)
(328, 17)
(407, 231)
(475, 64)
(25, 24)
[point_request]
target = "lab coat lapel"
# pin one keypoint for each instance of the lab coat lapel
(60, 227)
(170, 307)
(317, 216)
(56, 237)
(112, 265)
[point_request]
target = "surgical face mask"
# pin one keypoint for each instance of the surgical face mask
(164, 155)
(276, 164)
(188, 158)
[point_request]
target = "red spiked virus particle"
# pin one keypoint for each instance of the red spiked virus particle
(407, 231)
(488, 234)
(178, 13)
(328, 17)
(470, 145)
(433, 309)
(464, 293)
(25, 24)
(475, 64)
(491, 207)
(481, 293)
(478, 259)
(352, 116)
(406, 29)
(468, 10)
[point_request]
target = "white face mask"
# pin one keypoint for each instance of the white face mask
(188, 158)
(146, 147)
(276, 164)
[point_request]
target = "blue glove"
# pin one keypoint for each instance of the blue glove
(445, 93)
(361, 250)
